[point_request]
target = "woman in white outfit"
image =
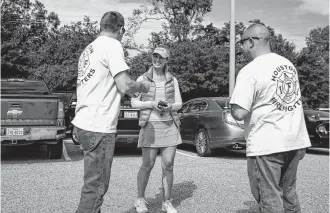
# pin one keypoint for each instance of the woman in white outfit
(160, 124)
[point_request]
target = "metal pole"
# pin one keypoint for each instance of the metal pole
(232, 49)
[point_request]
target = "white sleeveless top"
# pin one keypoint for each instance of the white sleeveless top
(160, 96)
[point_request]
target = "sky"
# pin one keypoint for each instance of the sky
(292, 18)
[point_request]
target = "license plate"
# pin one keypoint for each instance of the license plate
(14, 131)
(128, 114)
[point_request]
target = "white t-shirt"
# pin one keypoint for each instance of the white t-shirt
(268, 87)
(98, 99)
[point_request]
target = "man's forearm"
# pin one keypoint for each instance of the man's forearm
(135, 87)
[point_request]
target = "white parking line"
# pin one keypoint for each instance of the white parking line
(187, 154)
(65, 153)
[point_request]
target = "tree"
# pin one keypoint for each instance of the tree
(182, 17)
(57, 59)
(24, 29)
(313, 68)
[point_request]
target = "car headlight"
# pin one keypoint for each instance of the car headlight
(312, 118)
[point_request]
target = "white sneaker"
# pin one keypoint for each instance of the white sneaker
(167, 207)
(140, 205)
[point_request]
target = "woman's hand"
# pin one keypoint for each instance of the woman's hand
(168, 108)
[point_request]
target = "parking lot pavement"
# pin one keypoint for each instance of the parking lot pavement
(32, 183)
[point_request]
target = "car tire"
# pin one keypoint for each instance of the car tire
(54, 151)
(202, 143)
(74, 137)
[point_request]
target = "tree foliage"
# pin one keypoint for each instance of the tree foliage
(34, 45)
(313, 67)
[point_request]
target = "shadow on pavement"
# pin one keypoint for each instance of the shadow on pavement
(74, 151)
(127, 152)
(229, 154)
(180, 192)
(318, 151)
(25, 154)
(252, 207)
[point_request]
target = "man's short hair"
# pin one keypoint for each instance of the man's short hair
(112, 21)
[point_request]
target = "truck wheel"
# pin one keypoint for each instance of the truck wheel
(202, 143)
(55, 150)
(74, 137)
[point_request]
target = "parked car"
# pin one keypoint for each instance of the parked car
(206, 122)
(324, 109)
(69, 115)
(69, 99)
(30, 114)
(317, 123)
(128, 123)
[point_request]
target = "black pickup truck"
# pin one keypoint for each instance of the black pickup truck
(30, 114)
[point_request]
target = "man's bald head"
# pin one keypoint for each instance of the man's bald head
(255, 41)
(257, 30)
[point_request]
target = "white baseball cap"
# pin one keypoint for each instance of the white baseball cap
(161, 51)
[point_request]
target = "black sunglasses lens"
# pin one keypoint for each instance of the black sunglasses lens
(243, 40)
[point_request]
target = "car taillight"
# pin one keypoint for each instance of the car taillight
(60, 114)
(230, 120)
(322, 130)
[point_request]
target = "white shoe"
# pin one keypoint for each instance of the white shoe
(168, 208)
(140, 205)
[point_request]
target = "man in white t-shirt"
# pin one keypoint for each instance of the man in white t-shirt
(267, 96)
(102, 80)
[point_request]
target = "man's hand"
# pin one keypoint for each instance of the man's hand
(155, 106)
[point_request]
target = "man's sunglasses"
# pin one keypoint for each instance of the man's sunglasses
(248, 38)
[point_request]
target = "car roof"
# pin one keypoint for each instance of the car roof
(20, 79)
(312, 112)
(203, 98)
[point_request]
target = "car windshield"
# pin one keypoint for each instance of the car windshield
(24, 87)
(315, 113)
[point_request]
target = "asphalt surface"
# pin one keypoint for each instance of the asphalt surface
(31, 183)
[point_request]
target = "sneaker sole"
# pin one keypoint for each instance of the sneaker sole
(146, 211)
(141, 211)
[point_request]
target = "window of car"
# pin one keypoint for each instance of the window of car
(185, 108)
(198, 106)
(223, 103)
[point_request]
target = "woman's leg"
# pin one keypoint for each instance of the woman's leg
(148, 160)
(168, 155)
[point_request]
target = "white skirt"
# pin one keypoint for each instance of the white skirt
(159, 134)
